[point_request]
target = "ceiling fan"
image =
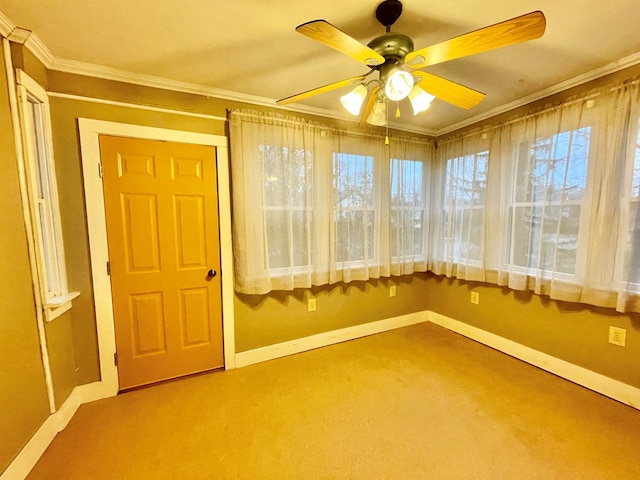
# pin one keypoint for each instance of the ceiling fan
(400, 66)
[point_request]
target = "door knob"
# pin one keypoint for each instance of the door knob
(211, 273)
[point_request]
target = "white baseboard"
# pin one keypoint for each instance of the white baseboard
(33, 450)
(622, 392)
(299, 345)
(597, 382)
(56, 422)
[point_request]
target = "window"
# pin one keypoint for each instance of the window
(464, 192)
(549, 189)
(312, 204)
(353, 202)
(43, 197)
(408, 209)
(630, 209)
(288, 205)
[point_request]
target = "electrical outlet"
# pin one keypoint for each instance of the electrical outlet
(475, 298)
(392, 291)
(617, 336)
(311, 305)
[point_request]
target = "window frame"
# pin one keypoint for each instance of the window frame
(373, 208)
(585, 206)
(42, 191)
(448, 200)
(626, 200)
(276, 272)
(424, 208)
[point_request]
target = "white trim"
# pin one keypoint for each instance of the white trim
(107, 73)
(30, 454)
(6, 25)
(49, 239)
(19, 35)
(597, 382)
(303, 344)
(82, 98)
(33, 450)
(40, 50)
(607, 69)
(31, 241)
(90, 148)
(58, 305)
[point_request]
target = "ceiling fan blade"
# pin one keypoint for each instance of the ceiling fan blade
(319, 90)
(450, 92)
(324, 32)
(509, 32)
(366, 111)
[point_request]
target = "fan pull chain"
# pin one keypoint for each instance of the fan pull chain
(386, 138)
(397, 109)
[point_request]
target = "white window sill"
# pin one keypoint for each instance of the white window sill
(58, 305)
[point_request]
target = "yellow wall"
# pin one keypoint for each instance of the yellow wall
(282, 316)
(64, 113)
(573, 332)
(23, 395)
(259, 321)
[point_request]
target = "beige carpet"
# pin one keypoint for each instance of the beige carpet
(416, 403)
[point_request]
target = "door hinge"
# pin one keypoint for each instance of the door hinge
(100, 172)
(115, 359)
(108, 268)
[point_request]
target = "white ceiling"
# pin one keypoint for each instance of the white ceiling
(251, 47)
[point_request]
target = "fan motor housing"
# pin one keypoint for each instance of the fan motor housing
(392, 46)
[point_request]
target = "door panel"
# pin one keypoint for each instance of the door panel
(194, 314)
(139, 215)
(190, 229)
(162, 228)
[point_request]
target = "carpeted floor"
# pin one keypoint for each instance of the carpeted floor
(415, 403)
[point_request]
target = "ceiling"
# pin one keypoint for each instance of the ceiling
(250, 49)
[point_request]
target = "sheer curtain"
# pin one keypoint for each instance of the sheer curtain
(313, 205)
(458, 207)
(555, 207)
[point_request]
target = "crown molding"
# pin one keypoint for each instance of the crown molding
(28, 38)
(6, 25)
(612, 67)
(19, 35)
(40, 50)
(108, 73)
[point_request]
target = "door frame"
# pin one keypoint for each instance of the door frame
(89, 131)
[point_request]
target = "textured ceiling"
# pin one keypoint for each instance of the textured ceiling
(251, 47)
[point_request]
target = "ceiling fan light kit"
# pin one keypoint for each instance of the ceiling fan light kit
(420, 100)
(393, 56)
(378, 114)
(398, 85)
(353, 100)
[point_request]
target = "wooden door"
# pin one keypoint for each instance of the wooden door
(162, 228)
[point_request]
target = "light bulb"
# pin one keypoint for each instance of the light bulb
(353, 100)
(398, 85)
(420, 100)
(378, 114)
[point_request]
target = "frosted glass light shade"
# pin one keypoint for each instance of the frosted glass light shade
(378, 114)
(353, 100)
(420, 100)
(398, 85)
